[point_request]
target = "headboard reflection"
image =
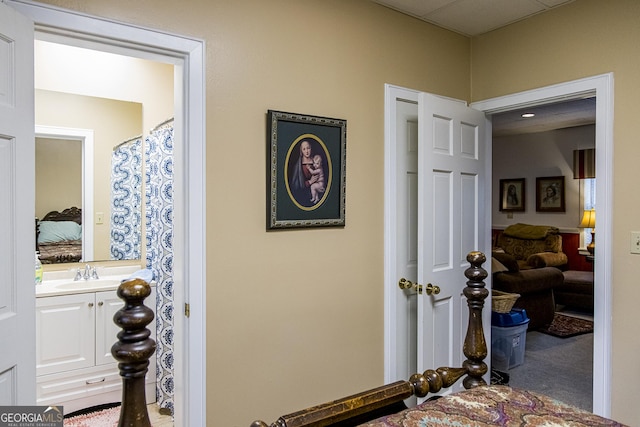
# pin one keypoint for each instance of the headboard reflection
(59, 236)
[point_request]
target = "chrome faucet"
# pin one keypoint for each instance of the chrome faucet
(89, 273)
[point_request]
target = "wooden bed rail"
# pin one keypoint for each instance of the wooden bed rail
(133, 350)
(362, 407)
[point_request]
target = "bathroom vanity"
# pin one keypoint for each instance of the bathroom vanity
(74, 335)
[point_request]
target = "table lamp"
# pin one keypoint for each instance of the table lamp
(589, 221)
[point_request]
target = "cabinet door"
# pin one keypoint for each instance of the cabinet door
(64, 333)
(107, 304)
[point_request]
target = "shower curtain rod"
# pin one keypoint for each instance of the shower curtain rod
(140, 136)
(126, 141)
(166, 122)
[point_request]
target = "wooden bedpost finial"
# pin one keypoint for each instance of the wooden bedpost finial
(133, 350)
(475, 345)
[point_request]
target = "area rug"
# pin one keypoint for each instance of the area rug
(101, 418)
(564, 326)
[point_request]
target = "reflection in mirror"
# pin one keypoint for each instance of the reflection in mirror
(59, 184)
(111, 122)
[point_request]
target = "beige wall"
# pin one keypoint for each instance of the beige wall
(276, 323)
(282, 316)
(586, 38)
(112, 122)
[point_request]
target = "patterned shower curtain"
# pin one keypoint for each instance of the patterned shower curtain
(159, 233)
(126, 200)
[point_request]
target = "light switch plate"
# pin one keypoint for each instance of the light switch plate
(635, 242)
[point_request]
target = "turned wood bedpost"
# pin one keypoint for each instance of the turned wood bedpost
(475, 345)
(133, 350)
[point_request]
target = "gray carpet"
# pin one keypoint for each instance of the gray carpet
(561, 368)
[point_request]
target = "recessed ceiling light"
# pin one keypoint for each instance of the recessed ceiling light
(528, 115)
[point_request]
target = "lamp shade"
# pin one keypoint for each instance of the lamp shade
(584, 163)
(588, 219)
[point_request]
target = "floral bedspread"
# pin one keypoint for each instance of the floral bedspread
(493, 406)
(64, 251)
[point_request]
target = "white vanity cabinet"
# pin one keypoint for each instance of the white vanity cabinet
(74, 335)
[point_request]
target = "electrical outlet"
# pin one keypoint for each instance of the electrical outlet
(635, 242)
(99, 217)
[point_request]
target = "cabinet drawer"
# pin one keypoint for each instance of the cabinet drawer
(58, 388)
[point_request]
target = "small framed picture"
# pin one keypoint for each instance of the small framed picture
(306, 170)
(550, 194)
(512, 195)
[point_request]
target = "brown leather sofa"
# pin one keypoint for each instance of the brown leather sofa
(530, 261)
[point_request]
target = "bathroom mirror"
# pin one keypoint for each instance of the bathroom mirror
(103, 100)
(77, 165)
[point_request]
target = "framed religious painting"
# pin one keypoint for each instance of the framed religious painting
(550, 194)
(512, 195)
(306, 170)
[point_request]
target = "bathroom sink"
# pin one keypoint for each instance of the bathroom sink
(89, 284)
(60, 282)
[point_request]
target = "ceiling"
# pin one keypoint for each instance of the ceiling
(475, 17)
(472, 17)
(566, 114)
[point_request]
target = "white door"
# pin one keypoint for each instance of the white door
(452, 221)
(17, 183)
(437, 160)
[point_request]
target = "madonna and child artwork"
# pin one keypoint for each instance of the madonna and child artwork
(305, 171)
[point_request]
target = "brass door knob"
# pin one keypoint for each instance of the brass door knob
(428, 288)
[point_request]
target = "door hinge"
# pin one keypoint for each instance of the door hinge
(187, 309)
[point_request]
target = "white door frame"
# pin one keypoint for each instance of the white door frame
(187, 54)
(394, 337)
(602, 87)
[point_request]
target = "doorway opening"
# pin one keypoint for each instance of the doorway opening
(118, 100)
(189, 266)
(534, 145)
(398, 331)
